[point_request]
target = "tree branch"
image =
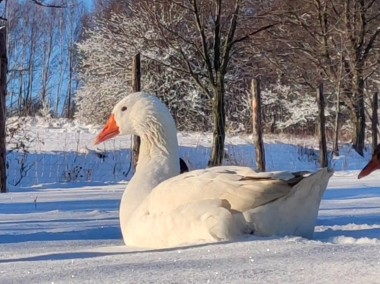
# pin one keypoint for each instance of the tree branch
(370, 44)
(229, 42)
(253, 33)
(204, 42)
(217, 36)
(43, 4)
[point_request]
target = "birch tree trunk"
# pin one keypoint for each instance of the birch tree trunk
(47, 62)
(69, 113)
(61, 72)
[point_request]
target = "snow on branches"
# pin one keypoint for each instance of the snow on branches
(172, 66)
(107, 53)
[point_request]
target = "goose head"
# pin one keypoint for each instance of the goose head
(373, 164)
(140, 114)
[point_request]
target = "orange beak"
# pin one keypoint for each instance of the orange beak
(369, 168)
(110, 130)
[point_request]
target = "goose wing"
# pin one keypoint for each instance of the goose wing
(241, 187)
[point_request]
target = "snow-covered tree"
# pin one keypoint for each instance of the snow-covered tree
(286, 107)
(318, 38)
(189, 52)
(107, 53)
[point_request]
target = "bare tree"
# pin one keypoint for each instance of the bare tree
(42, 59)
(214, 33)
(362, 31)
(325, 35)
(3, 85)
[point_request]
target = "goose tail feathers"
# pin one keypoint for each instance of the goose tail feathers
(293, 214)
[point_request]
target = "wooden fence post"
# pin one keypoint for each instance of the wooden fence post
(257, 125)
(375, 119)
(321, 126)
(136, 87)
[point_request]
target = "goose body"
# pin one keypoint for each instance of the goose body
(161, 208)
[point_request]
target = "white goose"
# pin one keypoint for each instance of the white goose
(160, 208)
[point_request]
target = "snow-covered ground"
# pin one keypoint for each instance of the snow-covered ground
(60, 228)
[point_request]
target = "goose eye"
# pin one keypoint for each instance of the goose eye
(124, 108)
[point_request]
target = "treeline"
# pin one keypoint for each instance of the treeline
(42, 58)
(199, 57)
